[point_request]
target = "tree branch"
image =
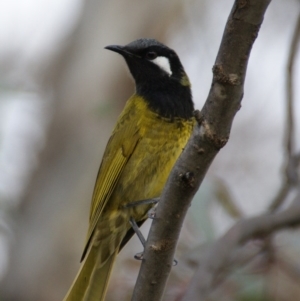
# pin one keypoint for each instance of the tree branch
(291, 159)
(211, 134)
(216, 263)
(221, 255)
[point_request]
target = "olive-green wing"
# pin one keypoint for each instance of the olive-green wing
(120, 146)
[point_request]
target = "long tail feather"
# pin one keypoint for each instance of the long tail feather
(92, 279)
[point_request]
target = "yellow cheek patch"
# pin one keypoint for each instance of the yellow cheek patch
(185, 80)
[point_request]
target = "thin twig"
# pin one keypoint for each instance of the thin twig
(291, 165)
(215, 266)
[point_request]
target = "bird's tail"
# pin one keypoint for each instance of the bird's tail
(92, 279)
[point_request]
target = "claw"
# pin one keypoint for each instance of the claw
(139, 256)
(152, 213)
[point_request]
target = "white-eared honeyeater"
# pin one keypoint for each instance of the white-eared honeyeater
(149, 136)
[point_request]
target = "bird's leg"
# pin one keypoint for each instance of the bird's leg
(141, 202)
(151, 213)
(135, 227)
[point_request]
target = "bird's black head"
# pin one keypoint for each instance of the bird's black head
(160, 77)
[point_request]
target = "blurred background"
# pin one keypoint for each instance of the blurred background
(60, 95)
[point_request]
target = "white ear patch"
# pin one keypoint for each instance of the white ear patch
(163, 63)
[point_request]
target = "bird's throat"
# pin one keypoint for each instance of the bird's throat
(169, 101)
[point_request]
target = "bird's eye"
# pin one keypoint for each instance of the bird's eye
(151, 55)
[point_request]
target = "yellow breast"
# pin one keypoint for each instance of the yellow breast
(161, 142)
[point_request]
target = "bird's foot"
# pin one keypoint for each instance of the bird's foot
(139, 256)
(141, 202)
(152, 213)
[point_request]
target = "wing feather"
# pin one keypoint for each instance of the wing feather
(119, 149)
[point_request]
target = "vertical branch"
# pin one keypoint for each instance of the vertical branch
(211, 134)
(291, 164)
(221, 255)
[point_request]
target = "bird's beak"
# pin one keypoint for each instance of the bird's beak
(119, 49)
(115, 48)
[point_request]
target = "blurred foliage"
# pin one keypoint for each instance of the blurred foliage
(224, 197)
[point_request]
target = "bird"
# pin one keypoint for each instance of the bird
(149, 136)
